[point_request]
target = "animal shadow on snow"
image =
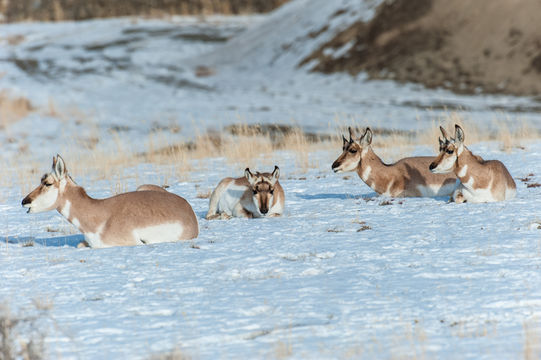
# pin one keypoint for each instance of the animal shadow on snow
(335, 196)
(59, 241)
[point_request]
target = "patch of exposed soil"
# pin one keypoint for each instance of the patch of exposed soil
(490, 46)
(61, 10)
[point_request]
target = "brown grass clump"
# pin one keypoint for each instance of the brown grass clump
(241, 146)
(175, 354)
(22, 336)
(203, 195)
(12, 109)
(532, 339)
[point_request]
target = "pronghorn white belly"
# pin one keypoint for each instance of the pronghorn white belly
(94, 239)
(510, 193)
(437, 190)
(230, 198)
(473, 195)
(159, 233)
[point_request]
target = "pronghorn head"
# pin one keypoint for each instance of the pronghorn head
(352, 151)
(450, 150)
(45, 196)
(262, 186)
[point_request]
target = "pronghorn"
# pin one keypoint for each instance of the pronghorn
(480, 180)
(408, 177)
(133, 218)
(254, 195)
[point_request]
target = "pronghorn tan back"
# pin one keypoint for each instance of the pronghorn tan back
(133, 218)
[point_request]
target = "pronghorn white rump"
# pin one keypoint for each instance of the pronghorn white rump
(480, 180)
(133, 218)
(408, 177)
(254, 195)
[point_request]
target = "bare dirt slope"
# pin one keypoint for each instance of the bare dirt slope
(491, 46)
(60, 10)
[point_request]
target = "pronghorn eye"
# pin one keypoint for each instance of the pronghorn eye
(353, 151)
(48, 184)
(449, 151)
(272, 192)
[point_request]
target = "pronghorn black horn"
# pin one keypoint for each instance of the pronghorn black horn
(444, 133)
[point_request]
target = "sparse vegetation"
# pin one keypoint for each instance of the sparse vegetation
(241, 145)
(22, 336)
(532, 338)
(175, 354)
(13, 108)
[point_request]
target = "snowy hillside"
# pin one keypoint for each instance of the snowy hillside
(132, 76)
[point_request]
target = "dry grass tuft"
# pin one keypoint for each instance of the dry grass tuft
(175, 354)
(283, 350)
(22, 336)
(12, 109)
(203, 195)
(507, 136)
(241, 145)
(532, 339)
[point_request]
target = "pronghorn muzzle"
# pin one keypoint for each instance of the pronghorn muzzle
(26, 201)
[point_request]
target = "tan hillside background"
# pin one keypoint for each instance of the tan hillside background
(467, 46)
(58, 10)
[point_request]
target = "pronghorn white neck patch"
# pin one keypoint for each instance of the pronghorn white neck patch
(366, 173)
(65, 211)
(463, 171)
(76, 223)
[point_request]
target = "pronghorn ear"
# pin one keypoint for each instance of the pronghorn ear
(59, 167)
(459, 134)
(249, 176)
(366, 139)
(275, 175)
(444, 133)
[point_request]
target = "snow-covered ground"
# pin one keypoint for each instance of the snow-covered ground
(340, 274)
(344, 273)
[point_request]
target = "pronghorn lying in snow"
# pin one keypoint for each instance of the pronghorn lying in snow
(249, 196)
(133, 218)
(480, 180)
(408, 177)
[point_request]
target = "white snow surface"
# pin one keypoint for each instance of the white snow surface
(427, 277)
(344, 273)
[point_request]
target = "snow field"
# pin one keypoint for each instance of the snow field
(340, 273)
